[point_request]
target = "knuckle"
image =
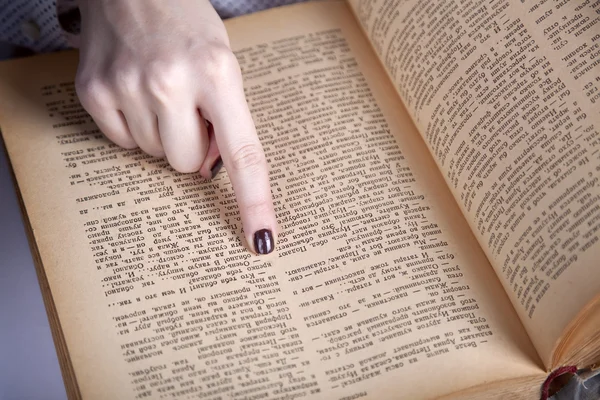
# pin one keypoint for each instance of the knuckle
(248, 157)
(219, 64)
(124, 78)
(92, 92)
(164, 79)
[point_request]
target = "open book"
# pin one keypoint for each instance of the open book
(435, 170)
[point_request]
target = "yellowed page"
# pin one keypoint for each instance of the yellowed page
(376, 283)
(506, 95)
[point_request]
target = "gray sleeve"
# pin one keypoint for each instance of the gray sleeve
(32, 24)
(585, 385)
(233, 8)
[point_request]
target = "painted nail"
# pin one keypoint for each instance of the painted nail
(263, 241)
(216, 167)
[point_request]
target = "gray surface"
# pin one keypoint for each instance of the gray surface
(28, 365)
(584, 386)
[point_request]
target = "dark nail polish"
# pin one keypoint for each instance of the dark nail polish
(216, 167)
(263, 241)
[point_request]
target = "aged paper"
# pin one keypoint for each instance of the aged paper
(376, 281)
(506, 96)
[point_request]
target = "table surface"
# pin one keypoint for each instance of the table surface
(28, 365)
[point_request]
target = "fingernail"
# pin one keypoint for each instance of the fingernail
(263, 241)
(216, 167)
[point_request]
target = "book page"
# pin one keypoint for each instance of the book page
(376, 280)
(506, 95)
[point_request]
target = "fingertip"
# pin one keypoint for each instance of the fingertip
(210, 169)
(216, 167)
(156, 152)
(263, 241)
(127, 142)
(184, 139)
(185, 166)
(113, 126)
(261, 234)
(213, 163)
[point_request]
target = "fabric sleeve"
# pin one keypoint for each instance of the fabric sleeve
(32, 24)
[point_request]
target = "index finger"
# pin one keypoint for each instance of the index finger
(245, 162)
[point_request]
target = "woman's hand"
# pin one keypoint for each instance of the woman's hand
(152, 72)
